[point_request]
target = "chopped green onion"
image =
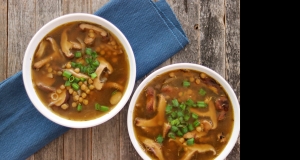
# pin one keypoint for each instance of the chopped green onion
(186, 117)
(73, 64)
(201, 104)
(195, 116)
(171, 135)
(179, 133)
(174, 114)
(182, 106)
(189, 102)
(190, 141)
(76, 80)
(175, 102)
(190, 127)
(97, 106)
(184, 130)
(88, 51)
(159, 139)
(186, 83)
(82, 79)
(67, 74)
(67, 83)
(175, 122)
(78, 54)
(75, 86)
(71, 78)
(96, 63)
(104, 108)
(202, 92)
(79, 107)
(93, 75)
(174, 128)
(196, 123)
(180, 114)
(94, 54)
(169, 109)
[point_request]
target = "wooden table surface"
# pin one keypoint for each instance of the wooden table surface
(212, 26)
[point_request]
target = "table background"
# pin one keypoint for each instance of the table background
(212, 26)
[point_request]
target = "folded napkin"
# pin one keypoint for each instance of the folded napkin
(154, 34)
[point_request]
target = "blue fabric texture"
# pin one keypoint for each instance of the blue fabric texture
(154, 34)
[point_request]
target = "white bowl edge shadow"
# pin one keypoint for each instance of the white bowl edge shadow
(213, 74)
(27, 64)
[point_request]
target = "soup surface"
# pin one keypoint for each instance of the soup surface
(183, 114)
(80, 71)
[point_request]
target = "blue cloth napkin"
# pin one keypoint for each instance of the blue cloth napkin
(154, 34)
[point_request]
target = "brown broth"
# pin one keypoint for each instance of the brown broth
(110, 49)
(174, 89)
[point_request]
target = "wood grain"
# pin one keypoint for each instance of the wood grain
(3, 39)
(213, 29)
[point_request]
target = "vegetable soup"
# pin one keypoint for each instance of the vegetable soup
(80, 71)
(183, 114)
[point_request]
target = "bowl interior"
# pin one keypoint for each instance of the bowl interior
(211, 73)
(27, 63)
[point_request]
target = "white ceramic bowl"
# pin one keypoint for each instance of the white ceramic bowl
(211, 73)
(27, 65)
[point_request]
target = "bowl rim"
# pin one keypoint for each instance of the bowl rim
(27, 63)
(235, 103)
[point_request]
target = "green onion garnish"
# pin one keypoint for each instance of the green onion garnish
(77, 54)
(75, 86)
(67, 83)
(202, 92)
(201, 104)
(196, 123)
(79, 107)
(67, 74)
(93, 75)
(171, 135)
(159, 139)
(186, 83)
(190, 141)
(88, 51)
(175, 102)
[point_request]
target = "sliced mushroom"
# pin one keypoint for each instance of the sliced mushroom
(201, 148)
(41, 49)
(150, 99)
(154, 147)
(114, 85)
(211, 113)
(166, 128)
(56, 54)
(62, 98)
(102, 32)
(104, 66)
(41, 63)
(90, 37)
(158, 119)
(75, 45)
(66, 45)
(44, 87)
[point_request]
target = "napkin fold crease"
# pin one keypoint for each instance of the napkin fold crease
(155, 35)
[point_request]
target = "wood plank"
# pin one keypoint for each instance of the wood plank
(187, 12)
(19, 34)
(77, 142)
(43, 13)
(212, 35)
(3, 39)
(106, 137)
(106, 140)
(233, 57)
